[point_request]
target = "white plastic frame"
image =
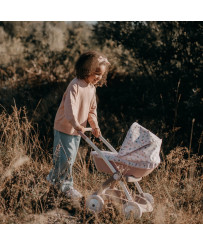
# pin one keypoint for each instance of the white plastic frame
(97, 150)
(129, 197)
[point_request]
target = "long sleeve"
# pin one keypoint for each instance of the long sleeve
(92, 116)
(78, 106)
(71, 106)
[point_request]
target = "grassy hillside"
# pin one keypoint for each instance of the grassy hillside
(155, 79)
(26, 197)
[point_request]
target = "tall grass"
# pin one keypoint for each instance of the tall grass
(26, 197)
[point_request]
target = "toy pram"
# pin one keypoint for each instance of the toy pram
(137, 157)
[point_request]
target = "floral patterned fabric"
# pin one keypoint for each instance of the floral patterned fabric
(115, 158)
(140, 146)
(140, 149)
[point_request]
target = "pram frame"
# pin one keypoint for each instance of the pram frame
(116, 175)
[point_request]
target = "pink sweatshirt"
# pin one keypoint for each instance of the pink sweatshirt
(78, 106)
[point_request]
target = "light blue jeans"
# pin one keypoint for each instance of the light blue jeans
(64, 153)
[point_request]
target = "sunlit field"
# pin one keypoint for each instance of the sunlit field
(154, 79)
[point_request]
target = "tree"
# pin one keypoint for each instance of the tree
(167, 76)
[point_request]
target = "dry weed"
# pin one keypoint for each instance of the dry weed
(26, 197)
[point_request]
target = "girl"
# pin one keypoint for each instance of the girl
(78, 106)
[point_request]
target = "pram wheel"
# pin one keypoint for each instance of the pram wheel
(132, 208)
(95, 203)
(149, 198)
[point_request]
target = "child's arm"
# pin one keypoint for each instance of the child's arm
(92, 118)
(96, 132)
(70, 107)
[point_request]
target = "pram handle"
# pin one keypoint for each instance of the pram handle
(105, 159)
(107, 144)
(89, 129)
(97, 150)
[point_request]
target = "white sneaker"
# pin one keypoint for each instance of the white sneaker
(73, 193)
(65, 186)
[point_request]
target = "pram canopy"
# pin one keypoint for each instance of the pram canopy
(141, 145)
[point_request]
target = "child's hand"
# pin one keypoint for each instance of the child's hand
(80, 129)
(96, 132)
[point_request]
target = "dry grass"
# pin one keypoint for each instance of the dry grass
(26, 197)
